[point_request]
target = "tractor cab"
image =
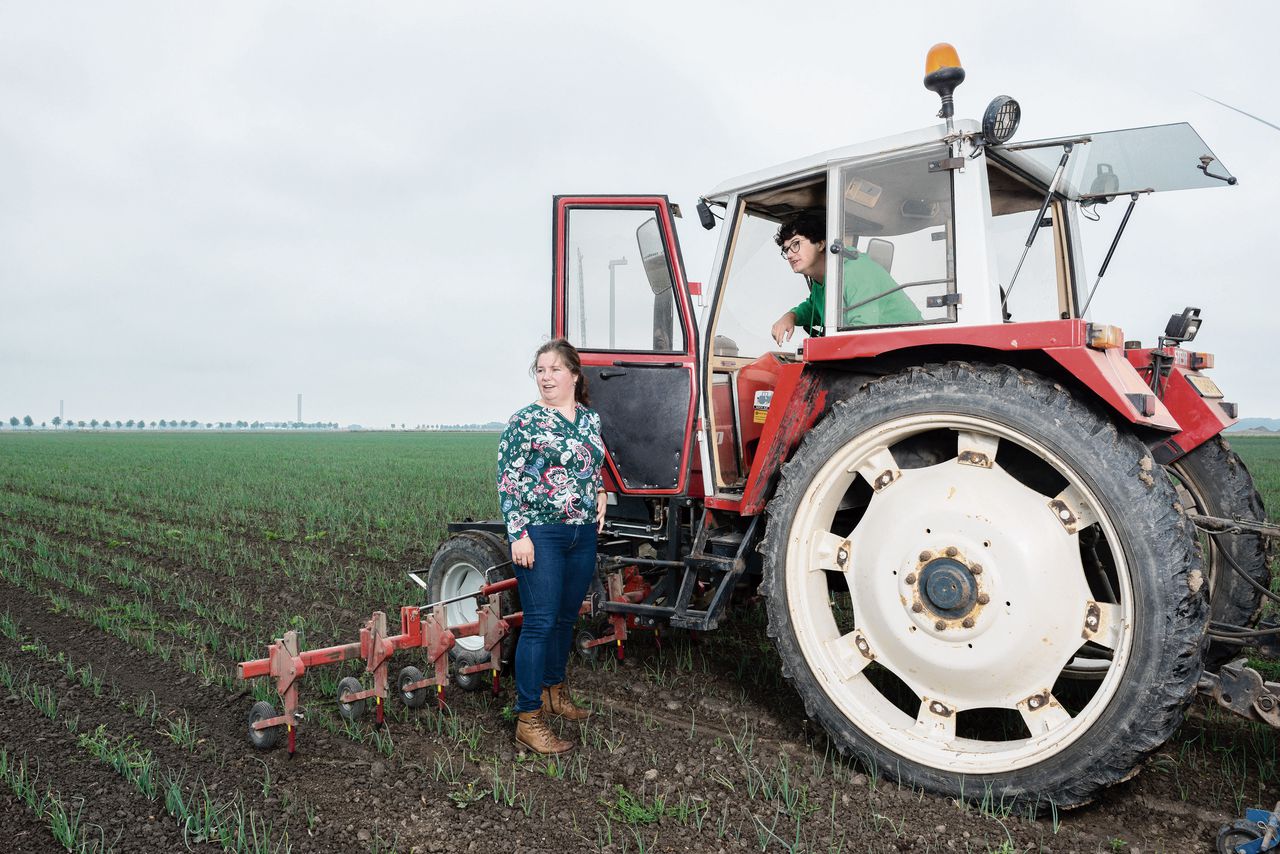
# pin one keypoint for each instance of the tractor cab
(967, 232)
(935, 240)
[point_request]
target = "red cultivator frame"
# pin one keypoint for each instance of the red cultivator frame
(422, 627)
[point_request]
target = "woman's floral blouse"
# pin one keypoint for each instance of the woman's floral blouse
(549, 469)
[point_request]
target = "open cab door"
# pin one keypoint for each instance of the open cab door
(620, 296)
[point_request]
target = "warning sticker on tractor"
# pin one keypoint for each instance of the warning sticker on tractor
(761, 403)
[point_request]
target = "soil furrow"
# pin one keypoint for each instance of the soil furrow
(125, 817)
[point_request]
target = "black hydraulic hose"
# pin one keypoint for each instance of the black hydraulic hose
(1223, 631)
(1239, 570)
(1238, 634)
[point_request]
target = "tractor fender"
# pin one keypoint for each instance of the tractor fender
(834, 367)
(799, 399)
(1201, 418)
(1108, 375)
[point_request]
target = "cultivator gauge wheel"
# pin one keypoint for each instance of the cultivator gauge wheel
(582, 643)
(269, 737)
(469, 681)
(413, 699)
(350, 710)
(950, 552)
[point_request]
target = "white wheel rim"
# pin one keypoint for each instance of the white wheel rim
(1008, 656)
(462, 577)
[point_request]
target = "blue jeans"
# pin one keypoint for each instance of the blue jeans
(551, 594)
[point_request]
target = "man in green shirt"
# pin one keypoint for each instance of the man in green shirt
(871, 297)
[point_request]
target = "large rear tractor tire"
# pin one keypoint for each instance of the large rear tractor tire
(458, 567)
(1212, 480)
(981, 587)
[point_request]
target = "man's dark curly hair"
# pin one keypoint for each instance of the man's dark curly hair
(811, 225)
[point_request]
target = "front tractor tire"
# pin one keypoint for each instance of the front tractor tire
(1212, 480)
(979, 586)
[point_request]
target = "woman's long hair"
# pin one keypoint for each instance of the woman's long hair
(569, 357)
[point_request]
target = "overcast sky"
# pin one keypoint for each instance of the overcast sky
(206, 209)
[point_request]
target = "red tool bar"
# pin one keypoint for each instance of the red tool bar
(498, 586)
(409, 638)
(310, 658)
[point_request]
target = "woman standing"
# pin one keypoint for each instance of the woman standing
(553, 500)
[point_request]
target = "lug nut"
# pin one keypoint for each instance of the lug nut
(976, 569)
(917, 607)
(940, 625)
(924, 556)
(952, 551)
(911, 579)
(968, 622)
(983, 598)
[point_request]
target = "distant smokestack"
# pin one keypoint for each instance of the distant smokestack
(299, 408)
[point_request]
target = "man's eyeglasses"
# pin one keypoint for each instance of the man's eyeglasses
(792, 247)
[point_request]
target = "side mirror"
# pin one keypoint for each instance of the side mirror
(654, 256)
(705, 216)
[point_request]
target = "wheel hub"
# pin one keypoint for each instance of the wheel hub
(948, 588)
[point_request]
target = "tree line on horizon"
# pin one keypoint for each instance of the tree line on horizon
(165, 424)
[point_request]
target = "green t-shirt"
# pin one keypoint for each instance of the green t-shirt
(863, 279)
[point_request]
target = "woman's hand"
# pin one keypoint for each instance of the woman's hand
(522, 552)
(602, 504)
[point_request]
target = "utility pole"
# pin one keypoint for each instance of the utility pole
(299, 407)
(617, 262)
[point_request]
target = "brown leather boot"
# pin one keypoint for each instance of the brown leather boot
(534, 733)
(557, 702)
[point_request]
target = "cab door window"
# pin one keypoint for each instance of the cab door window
(618, 287)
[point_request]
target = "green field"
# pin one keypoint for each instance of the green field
(137, 569)
(1262, 455)
(340, 516)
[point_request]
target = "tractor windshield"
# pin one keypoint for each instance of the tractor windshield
(1101, 167)
(1136, 160)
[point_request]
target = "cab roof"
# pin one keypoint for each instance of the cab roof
(815, 163)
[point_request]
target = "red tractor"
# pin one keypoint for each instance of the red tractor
(973, 531)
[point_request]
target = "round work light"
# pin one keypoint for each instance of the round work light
(1000, 121)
